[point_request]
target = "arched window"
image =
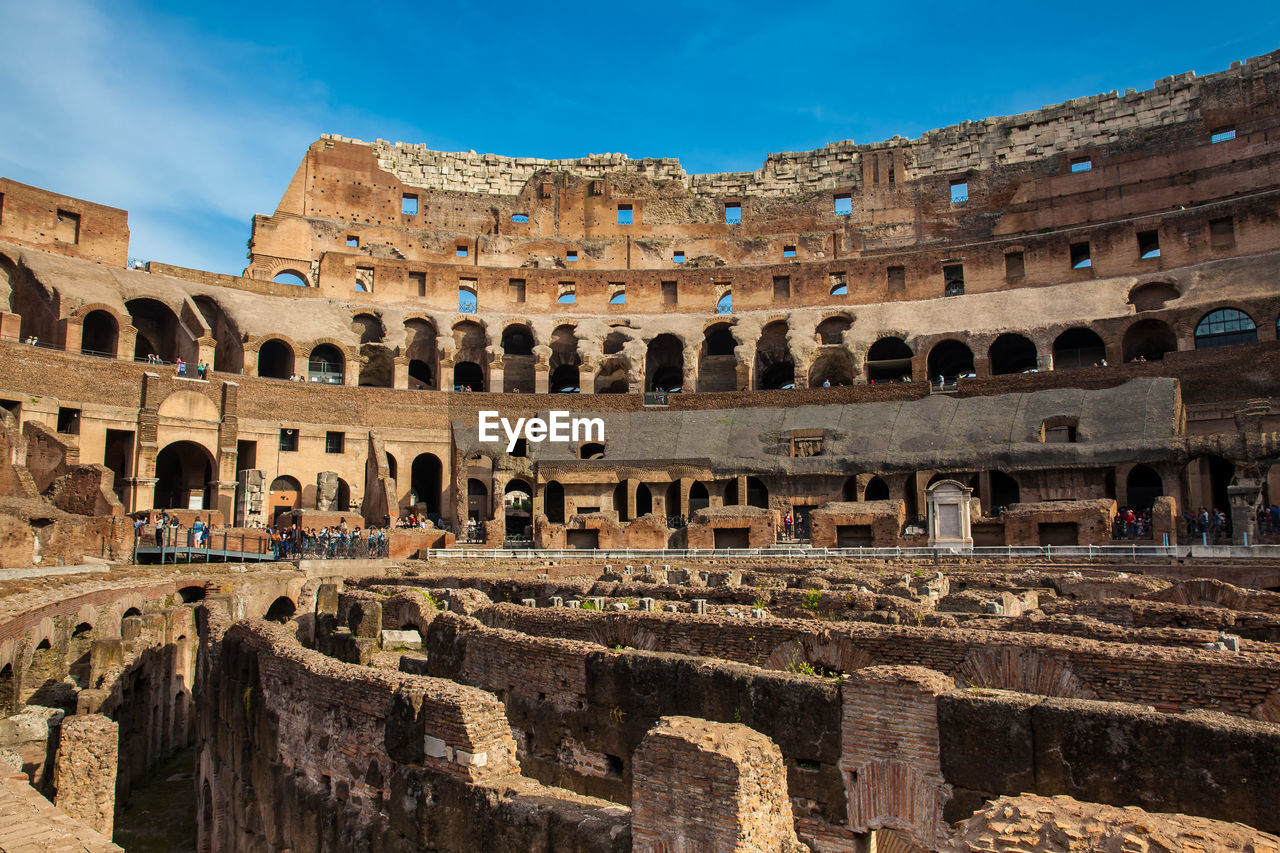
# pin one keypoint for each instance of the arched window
(325, 365)
(1149, 340)
(99, 335)
(1225, 327)
(725, 305)
(1144, 486)
(290, 277)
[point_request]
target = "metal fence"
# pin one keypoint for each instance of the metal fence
(337, 548)
(1132, 551)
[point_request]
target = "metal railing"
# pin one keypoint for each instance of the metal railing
(342, 548)
(1132, 551)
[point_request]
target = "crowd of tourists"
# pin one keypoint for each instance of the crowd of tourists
(1214, 522)
(1131, 524)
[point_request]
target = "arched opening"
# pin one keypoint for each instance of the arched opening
(889, 360)
(420, 376)
(284, 496)
(564, 361)
(1224, 328)
(421, 348)
(830, 332)
(184, 470)
(100, 334)
(832, 368)
(717, 365)
(664, 364)
(850, 490)
(698, 498)
(553, 502)
(1078, 347)
(564, 379)
(42, 679)
(910, 500)
(326, 365)
(157, 327)
(675, 507)
(950, 359)
(281, 610)
(290, 277)
(1143, 486)
(518, 358)
(468, 376)
(757, 493)
(1004, 491)
(79, 654)
(724, 305)
(877, 490)
(393, 467)
(1012, 353)
(1208, 478)
(591, 450)
(275, 359)
(1149, 340)
(342, 498)
(8, 692)
(369, 327)
(644, 500)
(620, 502)
(377, 366)
(613, 376)
(477, 500)
(424, 482)
(775, 368)
(517, 501)
(188, 594)
(1153, 295)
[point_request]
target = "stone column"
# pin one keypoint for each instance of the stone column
(71, 333)
(400, 377)
(700, 785)
(497, 374)
(351, 366)
(742, 490)
(541, 377)
(85, 769)
(128, 340)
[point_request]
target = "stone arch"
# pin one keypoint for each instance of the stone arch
(1012, 353)
(832, 652)
(183, 468)
(1153, 295)
(518, 358)
(614, 375)
(1078, 347)
(1142, 486)
(276, 358)
(877, 490)
(327, 362)
(426, 474)
(832, 366)
(1148, 339)
(950, 358)
(99, 330)
(281, 610)
(775, 366)
(892, 794)
(157, 326)
(289, 268)
(617, 632)
(664, 363)
(1023, 670)
(830, 332)
(189, 406)
(553, 502)
(888, 359)
(369, 327)
(717, 364)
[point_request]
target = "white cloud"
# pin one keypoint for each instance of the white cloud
(136, 113)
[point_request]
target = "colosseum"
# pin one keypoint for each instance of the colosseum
(905, 496)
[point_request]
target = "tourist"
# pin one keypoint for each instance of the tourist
(182, 366)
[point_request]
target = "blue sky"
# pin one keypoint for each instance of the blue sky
(194, 117)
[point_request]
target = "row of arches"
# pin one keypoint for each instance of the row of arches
(888, 358)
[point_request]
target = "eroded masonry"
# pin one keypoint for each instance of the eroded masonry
(752, 612)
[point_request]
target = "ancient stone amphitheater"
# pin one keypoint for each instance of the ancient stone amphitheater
(920, 501)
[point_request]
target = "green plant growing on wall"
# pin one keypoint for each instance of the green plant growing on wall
(811, 600)
(431, 599)
(588, 604)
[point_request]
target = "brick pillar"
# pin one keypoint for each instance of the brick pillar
(84, 772)
(127, 343)
(742, 490)
(400, 376)
(890, 755)
(71, 333)
(541, 377)
(699, 785)
(497, 375)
